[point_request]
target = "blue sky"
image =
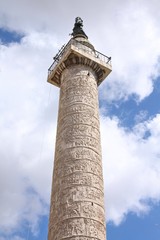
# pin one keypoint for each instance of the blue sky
(8, 36)
(129, 111)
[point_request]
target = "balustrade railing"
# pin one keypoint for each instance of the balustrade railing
(80, 46)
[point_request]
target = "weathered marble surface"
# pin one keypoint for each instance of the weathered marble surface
(77, 198)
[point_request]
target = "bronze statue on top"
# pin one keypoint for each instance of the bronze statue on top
(78, 30)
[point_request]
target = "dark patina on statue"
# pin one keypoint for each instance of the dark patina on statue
(78, 30)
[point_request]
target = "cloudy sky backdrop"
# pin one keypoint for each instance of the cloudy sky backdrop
(31, 32)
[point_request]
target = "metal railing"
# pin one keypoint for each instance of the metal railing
(80, 46)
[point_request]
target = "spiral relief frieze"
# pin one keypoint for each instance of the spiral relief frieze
(77, 198)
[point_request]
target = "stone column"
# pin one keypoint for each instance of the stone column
(77, 198)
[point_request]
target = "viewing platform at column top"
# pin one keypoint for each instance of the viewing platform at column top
(79, 51)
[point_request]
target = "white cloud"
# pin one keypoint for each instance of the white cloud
(133, 41)
(26, 131)
(141, 116)
(131, 167)
(129, 32)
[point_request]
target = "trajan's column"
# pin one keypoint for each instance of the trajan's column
(77, 197)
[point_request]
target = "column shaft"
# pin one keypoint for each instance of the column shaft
(77, 197)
